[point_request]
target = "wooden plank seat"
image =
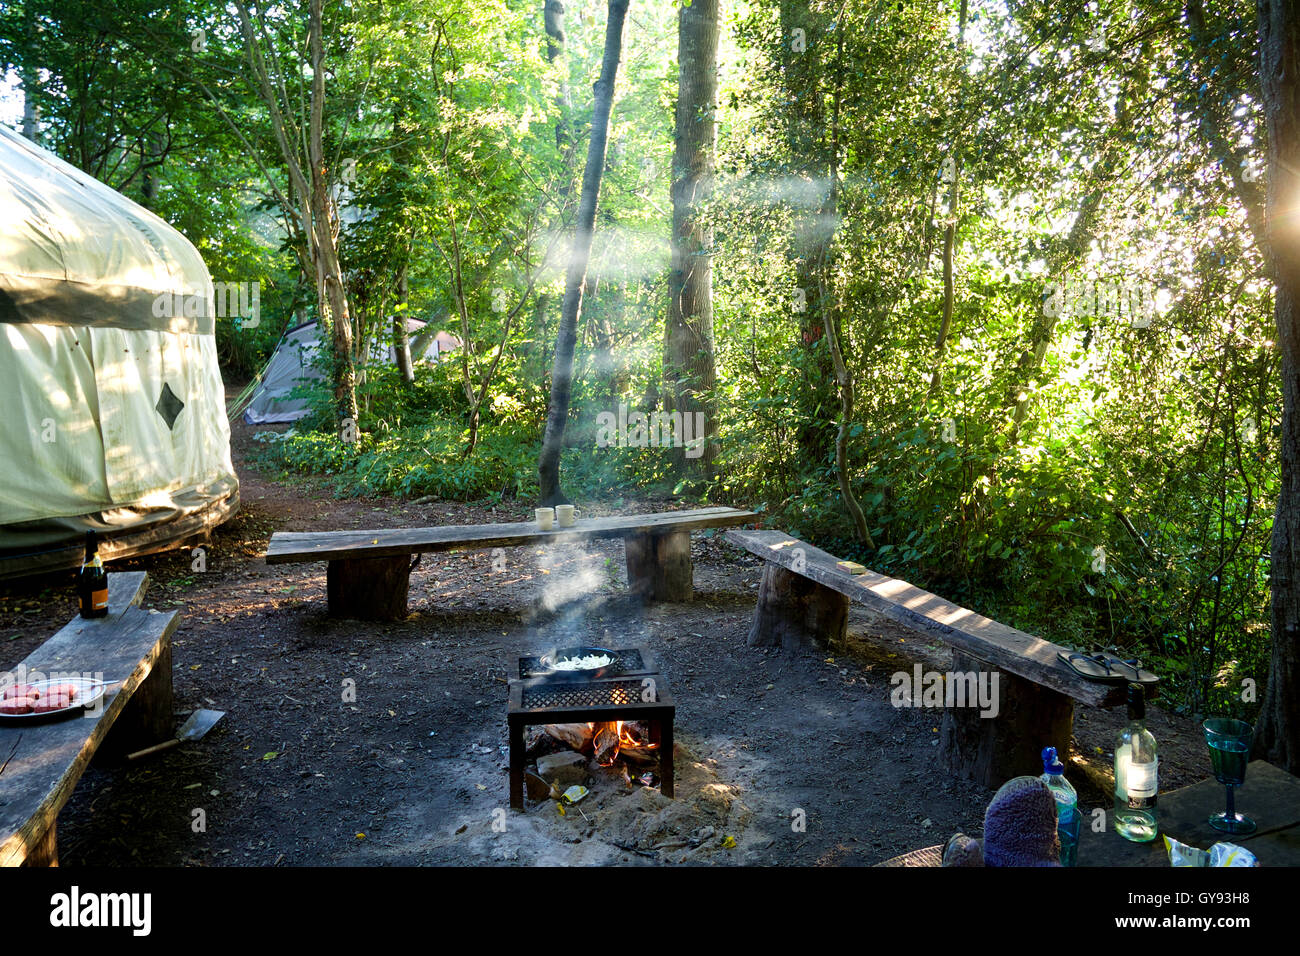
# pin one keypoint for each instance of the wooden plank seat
(131, 648)
(804, 599)
(368, 572)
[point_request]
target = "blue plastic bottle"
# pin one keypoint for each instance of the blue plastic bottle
(1067, 804)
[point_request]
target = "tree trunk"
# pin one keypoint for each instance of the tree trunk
(794, 611)
(548, 466)
(329, 277)
(991, 749)
(553, 20)
(1278, 735)
(831, 310)
(31, 82)
(659, 566)
(306, 201)
(401, 341)
(368, 589)
(805, 132)
(689, 372)
(949, 244)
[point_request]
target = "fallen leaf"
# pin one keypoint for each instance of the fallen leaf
(270, 755)
(361, 836)
(480, 786)
(728, 843)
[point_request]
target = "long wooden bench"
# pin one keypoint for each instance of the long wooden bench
(804, 598)
(42, 761)
(368, 572)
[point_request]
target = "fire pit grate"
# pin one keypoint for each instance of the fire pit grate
(589, 699)
(625, 662)
(596, 694)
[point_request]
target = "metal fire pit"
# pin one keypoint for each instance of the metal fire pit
(630, 689)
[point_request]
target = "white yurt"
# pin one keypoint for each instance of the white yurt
(291, 365)
(113, 406)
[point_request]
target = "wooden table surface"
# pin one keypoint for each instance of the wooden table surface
(1270, 797)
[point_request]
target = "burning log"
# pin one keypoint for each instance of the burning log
(576, 736)
(642, 757)
(636, 734)
(606, 741)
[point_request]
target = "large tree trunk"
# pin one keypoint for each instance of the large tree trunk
(329, 277)
(689, 374)
(548, 466)
(805, 132)
(1278, 736)
(306, 201)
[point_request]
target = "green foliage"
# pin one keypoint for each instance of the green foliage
(1099, 480)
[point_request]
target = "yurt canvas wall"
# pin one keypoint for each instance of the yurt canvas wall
(113, 405)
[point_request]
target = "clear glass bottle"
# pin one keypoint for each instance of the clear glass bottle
(1136, 766)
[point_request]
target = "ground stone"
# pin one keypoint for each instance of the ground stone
(563, 769)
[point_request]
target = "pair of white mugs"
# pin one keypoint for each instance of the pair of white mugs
(546, 517)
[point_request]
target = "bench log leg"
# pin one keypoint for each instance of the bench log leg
(992, 749)
(148, 717)
(659, 566)
(795, 611)
(368, 589)
(45, 852)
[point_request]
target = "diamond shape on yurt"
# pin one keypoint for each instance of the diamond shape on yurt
(169, 406)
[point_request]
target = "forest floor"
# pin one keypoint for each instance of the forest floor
(413, 771)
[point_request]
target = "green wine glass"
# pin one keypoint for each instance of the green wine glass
(1230, 742)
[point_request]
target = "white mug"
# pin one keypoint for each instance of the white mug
(565, 515)
(545, 518)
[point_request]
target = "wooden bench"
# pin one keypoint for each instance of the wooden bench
(804, 598)
(368, 574)
(46, 759)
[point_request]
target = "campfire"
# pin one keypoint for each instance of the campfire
(617, 714)
(605, 741)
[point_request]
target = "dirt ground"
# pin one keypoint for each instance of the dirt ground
(784, 758)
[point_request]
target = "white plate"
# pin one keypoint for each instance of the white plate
(89, 691)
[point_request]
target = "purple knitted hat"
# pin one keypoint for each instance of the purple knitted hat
(1020, 825)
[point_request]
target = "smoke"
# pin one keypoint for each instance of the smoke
(618, 254)
(571, 581)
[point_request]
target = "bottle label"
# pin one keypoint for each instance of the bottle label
(99, 599)
(1141, 780)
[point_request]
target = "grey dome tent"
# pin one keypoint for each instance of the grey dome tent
(113, 407)
(291, 365)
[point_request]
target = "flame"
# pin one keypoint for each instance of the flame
(621, 729)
